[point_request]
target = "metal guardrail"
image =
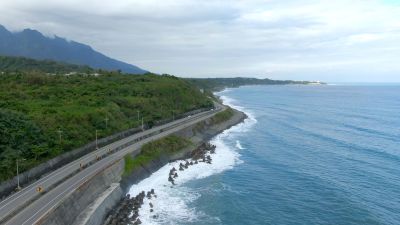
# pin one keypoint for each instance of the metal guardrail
(7, 188)
(110, 152)
(125, 145)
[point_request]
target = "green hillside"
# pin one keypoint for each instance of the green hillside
(35, 106)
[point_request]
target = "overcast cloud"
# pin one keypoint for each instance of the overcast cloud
(304, 40)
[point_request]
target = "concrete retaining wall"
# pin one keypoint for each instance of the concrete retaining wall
(96, 211)
(79, 201)
(90, 204)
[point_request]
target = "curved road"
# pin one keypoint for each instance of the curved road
(28, 206)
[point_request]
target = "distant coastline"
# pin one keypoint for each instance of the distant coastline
(219, 84)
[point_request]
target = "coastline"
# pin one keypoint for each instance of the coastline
(171, 200)
(154, 175)
(95, 199)
(199, 134)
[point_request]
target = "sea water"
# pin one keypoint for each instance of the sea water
(306, 155)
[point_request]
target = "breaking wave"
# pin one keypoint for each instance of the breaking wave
(173, 202)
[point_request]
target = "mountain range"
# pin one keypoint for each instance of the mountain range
(33, 44)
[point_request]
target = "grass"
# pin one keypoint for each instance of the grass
(153, 150)
(168, 145)
(222, 116)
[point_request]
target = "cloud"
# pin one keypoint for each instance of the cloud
(279, 39)
(364, 38)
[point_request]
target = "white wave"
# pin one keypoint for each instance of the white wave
(226, 90)
(172, 203)
(233, 104)
(238, 145)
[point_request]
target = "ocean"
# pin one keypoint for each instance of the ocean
(326, 154)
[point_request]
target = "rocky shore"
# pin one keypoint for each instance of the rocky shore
(200, 152)
(199, 134)
(103, 199)
(128, 209)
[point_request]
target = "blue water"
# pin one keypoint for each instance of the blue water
(316, 155)
(306, 155)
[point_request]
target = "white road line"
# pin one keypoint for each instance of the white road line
(57, 197)
(104, 149)
(46, 178)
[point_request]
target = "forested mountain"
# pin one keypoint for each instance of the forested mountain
(32, 44)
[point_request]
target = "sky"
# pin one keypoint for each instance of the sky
(333, 41)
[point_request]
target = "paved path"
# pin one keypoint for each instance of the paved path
(27, 206)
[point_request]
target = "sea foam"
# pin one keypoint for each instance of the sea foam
(238, 145)
(172, 203)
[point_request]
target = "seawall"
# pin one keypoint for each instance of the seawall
(94, 200)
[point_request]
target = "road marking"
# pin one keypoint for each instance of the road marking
(57, 197)
(148, 134)
(74, 163)
(90, 174)
(31, 187)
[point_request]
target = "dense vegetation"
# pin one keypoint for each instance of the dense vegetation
(154, 149)
(19, 64)
(216, 84)
(36, 108)
(222, 116)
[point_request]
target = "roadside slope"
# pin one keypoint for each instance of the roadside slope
(106, 194)
(43, 116)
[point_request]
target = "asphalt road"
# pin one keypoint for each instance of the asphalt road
(27, 206)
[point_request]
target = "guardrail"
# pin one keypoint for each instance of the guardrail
(125, 145)
(108, 153)
(28, 177)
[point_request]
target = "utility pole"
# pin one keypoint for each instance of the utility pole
(138, 117)
(97, 147)
(18, 186)
(142, 125)
(173, 115)
(106, 119)
(59, 134)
